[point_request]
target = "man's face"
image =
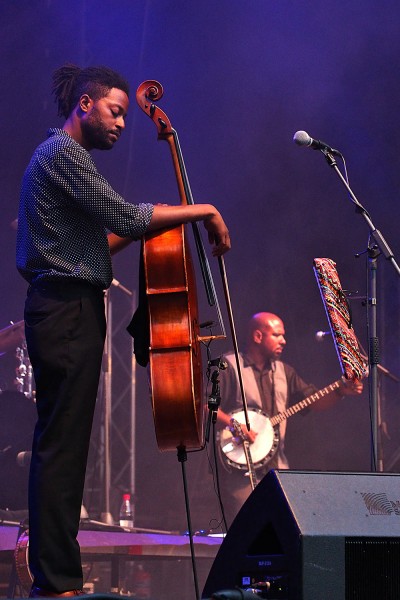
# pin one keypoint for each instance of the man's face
(273, 339)
(104, 120)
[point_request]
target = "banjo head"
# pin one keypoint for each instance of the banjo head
(262, 449)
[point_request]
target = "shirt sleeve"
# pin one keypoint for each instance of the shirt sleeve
(77, 175)
(298, 389)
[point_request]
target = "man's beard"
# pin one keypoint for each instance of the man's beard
(95, 132)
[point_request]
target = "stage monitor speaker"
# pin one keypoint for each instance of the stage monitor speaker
(315, 536)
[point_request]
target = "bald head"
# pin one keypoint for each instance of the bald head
(265, 337)
(263, 320)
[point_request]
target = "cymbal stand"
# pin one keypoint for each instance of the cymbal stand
(24, 372)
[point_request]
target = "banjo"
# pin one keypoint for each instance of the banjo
(266, 443)
(352, 365)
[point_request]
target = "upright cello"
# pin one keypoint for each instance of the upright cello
(170, 285)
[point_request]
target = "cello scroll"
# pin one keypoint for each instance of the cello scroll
(147, 93)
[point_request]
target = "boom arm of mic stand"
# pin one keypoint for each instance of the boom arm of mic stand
(375, 233)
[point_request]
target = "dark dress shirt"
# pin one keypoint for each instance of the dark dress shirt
(66, 208)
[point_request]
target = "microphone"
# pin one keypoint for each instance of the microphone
(122, 287)
(301, 138)
(321, 335)
(24, 459)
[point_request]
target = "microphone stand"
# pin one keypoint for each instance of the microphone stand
(380, 246)
(106, 516)
(214, 400)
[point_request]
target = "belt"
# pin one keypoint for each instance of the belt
(65, 286)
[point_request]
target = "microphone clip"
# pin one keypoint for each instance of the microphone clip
(219, 363)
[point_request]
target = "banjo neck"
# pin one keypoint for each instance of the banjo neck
(309, 401)
(237, 430)
(250, 464)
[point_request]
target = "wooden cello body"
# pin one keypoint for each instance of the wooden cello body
(174, 353)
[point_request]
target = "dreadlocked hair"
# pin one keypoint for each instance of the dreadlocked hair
(70, 82)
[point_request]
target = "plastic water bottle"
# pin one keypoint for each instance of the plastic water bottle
(126, 517)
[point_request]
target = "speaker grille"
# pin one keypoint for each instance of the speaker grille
(372, 568)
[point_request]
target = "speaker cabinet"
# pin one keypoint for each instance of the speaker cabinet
(315, 536)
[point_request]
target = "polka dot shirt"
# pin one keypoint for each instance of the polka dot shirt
(66, 208)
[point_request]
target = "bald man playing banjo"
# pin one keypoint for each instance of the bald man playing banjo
(274, 391)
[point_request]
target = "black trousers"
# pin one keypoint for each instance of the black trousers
(65, 332)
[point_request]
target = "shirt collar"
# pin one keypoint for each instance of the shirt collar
(248, 362)
(57, 131)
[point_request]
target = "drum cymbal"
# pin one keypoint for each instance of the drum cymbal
(12, 336)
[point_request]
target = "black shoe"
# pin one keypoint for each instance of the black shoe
(38, 592)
